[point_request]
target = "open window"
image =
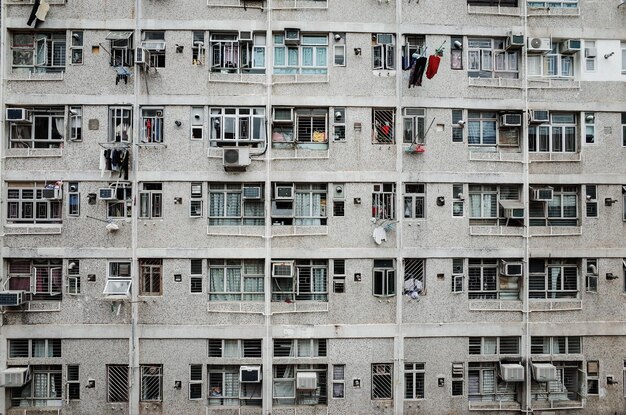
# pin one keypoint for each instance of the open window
(118, 283)
(237, 52)
(38, 52)
(154, 42)
(121, 47)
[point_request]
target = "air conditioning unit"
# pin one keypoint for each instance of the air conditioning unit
(539, 116)
(539, 44)
(282, 269)
(541, 194)
(251, 192)
(514, 213)
(306, 381)
(591, 52)
(292, 36)
(236, 159)
(18, 115)
(245, 36)
(544, 372)
(511, 269)
(107, 193)
(512, 372)
(53, 193)
(510, 120)
(142, 56)
(11, 298)
(283, 192)
(514, 42)
(570, 46)
(250, 374)
(15, 377)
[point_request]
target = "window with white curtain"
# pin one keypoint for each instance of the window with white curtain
(38, 52)
(481, 128)
(487, 58)
(483, 201)
(554, 64)
(30, 348)
(553, 278)
(558, 136)
(236, 279)
(300, 348)
(45, 388)
(494, 345)
(305, 280)
(556, 345)
(308, 56)
(561, 210)
(45, 129)
(229, 205)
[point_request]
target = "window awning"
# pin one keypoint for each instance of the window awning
(511, 204)
(153, 45)
(512, 372)
(544, 372)
(119, 35)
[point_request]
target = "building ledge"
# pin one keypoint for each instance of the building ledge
(33, 229)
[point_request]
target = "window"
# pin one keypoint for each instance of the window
(591, 276)
(487, 58)
(226, 390)
(412, 44)
(154, 42)
(300, 384)
(623, 121)
(26, 204)
(481, 128)
(384, 278)
(457, 129)
(195, 200)
(339, 49)
(233, 348)
(458, 376)
(310, 56)
(483, 384)
(236, 127)
(152, 125)
(306, 208)
(122, 205)
(197, 48)
(590, 61)
(151, 272)
(558, 136)
(38, 52)
(76, 123)
(383, 125)
(570, 384)
(44, 128)
(120, 124)
(122, 52)
(593, 372)
(308, 128)
(339, 381)
(235, 204)
(623, 49)
(300, 348)
(195, 382)
(195, 280)
(73, 276)
(457, 275)
(73, 382)
(414, 380)
(41, 277)
(413, 125)
(118, 278)
(151, 201)
(553, 279)
(556, 345)
(236, 280)
(384, 201)
(233, 52)
(554, 4)
(339, 124)
(414, 277)
(76, 48)
(457, 200)
(561, 210)
(456, 54)
(487, 281)
(117, 383)
(197, 123)
(383, 51)
(151, 383)
(483, 201)
(32, 348)
(502, 3)
(339, 276)
(624, 378)
(382, 381)
(45, 388)
(494, 345)
(554, 64)
(307, 282)
(591, 201)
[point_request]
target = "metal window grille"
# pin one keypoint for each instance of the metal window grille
(382, 387)
(73, 382)
(152, 383)
(383, 125)
(195, 382)
(151, 273)
(117, 383)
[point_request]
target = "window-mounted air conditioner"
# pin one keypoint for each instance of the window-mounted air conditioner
(15, 377)
(53, 193)
(514, 42)
(306, 381)
(141, 55)
(544, 372)
(11, 298)
(570, 46)
(251, 192)
(512, 372)
(236, 159)
(283, 192)
(282, 269)
(107, 193)
(539, 116)
(245, 36)
(591, 52)
(292, 36)
(250, 374)
(541, 194)
(18, 115)
(510, 120)
(539, 44)
(511, 269)
(514, 213)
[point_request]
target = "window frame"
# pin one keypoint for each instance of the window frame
(117, 383)
(47, 50)
(383, 53)
(76, 47)
(227, 266)
(414, 125)
(384, 201)
(155, 374)
(561, 292)
(72, 382)
(26, 204)
(120, 124)
(151, 200)
(384, 372)
(227, 205)
(483, 59)
(194, 382)
(383, 126)
(241, 121)
(414, 381)
(338, 381)
(300, 285)
(151, 276)
(386, 272)
(319, 46)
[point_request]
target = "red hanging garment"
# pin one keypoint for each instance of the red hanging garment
(433, 66)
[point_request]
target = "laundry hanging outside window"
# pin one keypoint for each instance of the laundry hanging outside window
(418, 63)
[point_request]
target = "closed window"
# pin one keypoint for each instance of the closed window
(195, 382)
(151, 201)
(236, 280)
(44, 390)
(414, 380)
(195, 278)
(384, 201)
(43, 128)
(151, 383)
(31, 348)
(487, 58)
(481, 128)
(382, 381)
(484, 385)
(234, 348)
(120, 124)
(235, 204)
(414, 277)
(494, 345)
(73, 382)
(117, 383)
(556, 345)
(558, 136)
(27, 203)
(151, 272)
(413, 125)
(414, 200)
(383, 125)
(306, 126)
(308, 56)
(384, 278)
(561, 210)
(244, 126)
(339, 381)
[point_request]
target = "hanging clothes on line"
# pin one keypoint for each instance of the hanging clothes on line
(417, 72)
(433, 66)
